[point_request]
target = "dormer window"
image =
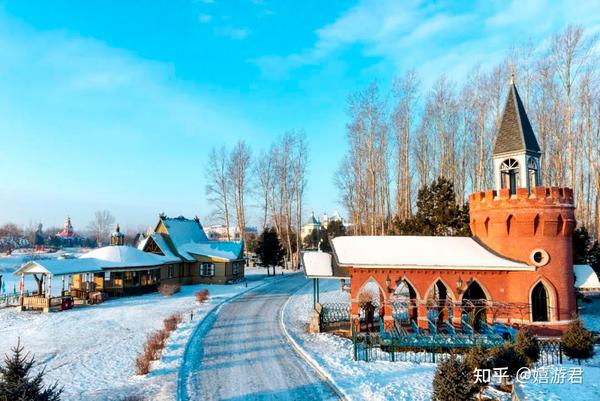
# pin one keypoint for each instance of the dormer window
(533, 173)
(509, 175)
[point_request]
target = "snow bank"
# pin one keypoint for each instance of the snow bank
(91, 350)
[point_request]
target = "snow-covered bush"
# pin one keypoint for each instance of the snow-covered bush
(142, 364)
(172, 321)
(202, 295)
(168, 289)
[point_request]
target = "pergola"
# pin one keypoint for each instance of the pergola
(48, 269)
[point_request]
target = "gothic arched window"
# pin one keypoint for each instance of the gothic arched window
(509, 175)
(533, 173)
(539, 303)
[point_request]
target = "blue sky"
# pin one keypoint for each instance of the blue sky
(116, 104)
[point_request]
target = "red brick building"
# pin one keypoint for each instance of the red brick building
(516, 269)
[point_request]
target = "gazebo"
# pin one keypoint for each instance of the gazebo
(47, 270)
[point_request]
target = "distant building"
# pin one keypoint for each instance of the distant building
(219, 232)
(67, 234)
(314, 223)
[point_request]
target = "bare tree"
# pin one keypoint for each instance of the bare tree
(217, 189)
(263, 170)
(240, 161)
(100, 227)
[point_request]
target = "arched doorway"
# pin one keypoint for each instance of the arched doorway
(370, 299)
(439, 303)
(539, 303)
(404, 302)
(474, 304)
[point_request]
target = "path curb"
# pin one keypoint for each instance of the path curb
(306, 357)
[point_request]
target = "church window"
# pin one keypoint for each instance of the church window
(539, 303)
(509, 175)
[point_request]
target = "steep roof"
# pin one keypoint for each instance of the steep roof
(160, 241)
(515, 132)
(416, 252)
(586, 278)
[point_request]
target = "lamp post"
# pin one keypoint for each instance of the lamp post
(388, 283)
(459, 284)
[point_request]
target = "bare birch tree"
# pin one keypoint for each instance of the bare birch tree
(217, 188)
(239, 166)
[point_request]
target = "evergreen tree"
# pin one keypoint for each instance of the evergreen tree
(577, 342)
(453, 381)
(437, 213)
(528, 345)
(586, 250)
(478, 358)
(334, 229)
(508, 357)
(269, 249)
(15, 383)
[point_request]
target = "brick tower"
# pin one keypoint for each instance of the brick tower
(526, 222)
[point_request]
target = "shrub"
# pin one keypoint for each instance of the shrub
(202, 296)
(142, 364)
(167, 290)
(577, 342)
(478, 358)
(453, 381)
(15, 383)
(172, 322)
(508, 357)
(528, 345)
(155, 344)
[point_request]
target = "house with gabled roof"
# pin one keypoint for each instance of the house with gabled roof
(200, 260)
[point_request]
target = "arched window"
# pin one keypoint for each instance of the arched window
(474, 304)
(509, 175)
(533, 173)
(404, 302)
(539, 303)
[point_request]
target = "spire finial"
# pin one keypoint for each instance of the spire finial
(512, 74)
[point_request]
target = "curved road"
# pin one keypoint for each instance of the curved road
(242, 354)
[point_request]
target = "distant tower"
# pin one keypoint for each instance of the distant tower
(516, 155)
(117, 237)
(526, 222)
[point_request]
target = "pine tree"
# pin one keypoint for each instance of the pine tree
(528, 345)
(269, 249)
(437, 213)
(478, 358)
(577, 342)
(453, 381)
(15, 383)
(508, 357)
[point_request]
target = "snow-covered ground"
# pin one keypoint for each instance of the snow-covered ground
(91, 350)
(357, 380)
(405, 380)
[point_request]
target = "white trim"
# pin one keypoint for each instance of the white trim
(423, 267)
(551, 301)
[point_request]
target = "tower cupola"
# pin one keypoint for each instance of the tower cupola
(117, 237)
(516, 154)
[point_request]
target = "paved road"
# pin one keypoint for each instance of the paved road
(245, 356)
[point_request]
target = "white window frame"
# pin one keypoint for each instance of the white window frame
(170, 271)
(207, 269)
(235, 268)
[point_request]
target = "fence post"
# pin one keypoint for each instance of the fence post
(393, 351)
(433, 355)
(560, 352)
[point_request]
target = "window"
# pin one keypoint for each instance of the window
(509, 175)
(170, 271)
(235, 268)
(539, 303)
(207, 269)
(533, 173)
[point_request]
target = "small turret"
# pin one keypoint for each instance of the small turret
(117, 238)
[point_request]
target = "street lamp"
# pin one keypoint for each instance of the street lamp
(459, 284)
(388, 283)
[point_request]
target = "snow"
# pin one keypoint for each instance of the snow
(317, 264)
(357, 380)
(419, 252)
(215, 249)
(160, 241)
(60, 267)
(585, 277)
(91, 350)
(126, 256)
(183, 231)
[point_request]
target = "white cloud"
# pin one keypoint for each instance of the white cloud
(205, 18)
(232, 32)
(415, 33)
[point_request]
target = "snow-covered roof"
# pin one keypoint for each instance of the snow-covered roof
(160, 241)
(60, 267)
(414, 252)
(125, 256)
(215, 249)
(586, 278)
(182, 230)
(317, 264)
